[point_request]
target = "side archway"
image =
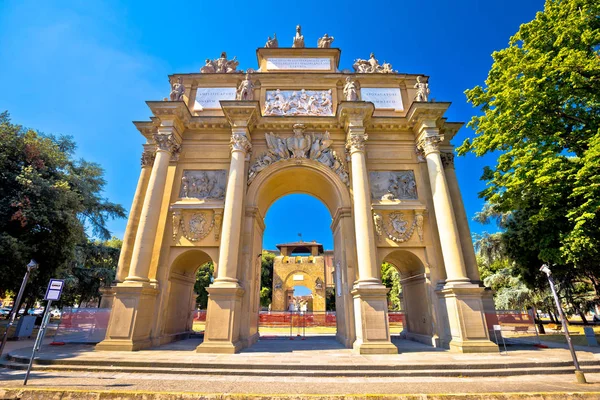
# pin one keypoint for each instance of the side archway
(417, 304)
(181, 299)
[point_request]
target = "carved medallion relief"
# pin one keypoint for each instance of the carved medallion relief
(298, 102)
(203, 184)
(195, 225)
(397, 225)
(393, 185)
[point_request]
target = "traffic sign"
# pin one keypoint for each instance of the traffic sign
(54, 289)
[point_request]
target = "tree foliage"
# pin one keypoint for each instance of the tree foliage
(390, 277)
(204, 277)
(49, 201)
(266, 278)
(541, 116)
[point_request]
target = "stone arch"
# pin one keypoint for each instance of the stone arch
(417, 303)
(181, 298)
(288, 283)
(308, 177)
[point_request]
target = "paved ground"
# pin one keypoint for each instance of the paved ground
(310, 352)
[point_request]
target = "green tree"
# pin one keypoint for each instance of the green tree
(390, 277)
(48, 203)
(541, 116)
(94, 267)
(204, 277)
(266, 278)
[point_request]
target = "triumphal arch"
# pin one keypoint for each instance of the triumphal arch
(367, 141)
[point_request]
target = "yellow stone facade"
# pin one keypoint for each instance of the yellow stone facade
(210, 172)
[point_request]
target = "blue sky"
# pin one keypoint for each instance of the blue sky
(85, 68)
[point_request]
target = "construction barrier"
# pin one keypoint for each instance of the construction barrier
(82, 325)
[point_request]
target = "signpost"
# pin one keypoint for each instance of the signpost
(53, 293)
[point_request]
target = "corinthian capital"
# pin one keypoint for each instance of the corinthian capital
(166, 142)
(240, 142)
(447, 160)
(356, 142)
(431, 144)
(147, 158)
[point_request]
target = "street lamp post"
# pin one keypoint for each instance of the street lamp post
(578, 372)
(15, 310)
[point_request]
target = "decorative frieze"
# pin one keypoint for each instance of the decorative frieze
(298, 102)
(148, 158)
(203, 184)
(447, 159)
(240, 142)
(393, 185)
(315, 146)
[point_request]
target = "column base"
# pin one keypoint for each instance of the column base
(131, 318)
(371, 319)
(222, 320)
(466, 318)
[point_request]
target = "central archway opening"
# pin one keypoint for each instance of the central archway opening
(297, 278)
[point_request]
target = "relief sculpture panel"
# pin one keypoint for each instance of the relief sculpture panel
(203, 184)
(298, 102)
(393, 185)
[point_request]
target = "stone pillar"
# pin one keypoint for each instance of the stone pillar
(461, 299)
(370, 296)
(134, 217)
(442, 203)
(462, 222)
(224, 309)
(133, 308)
(144, 241)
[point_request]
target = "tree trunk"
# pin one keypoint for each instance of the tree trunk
(552, 317)
(582, 315)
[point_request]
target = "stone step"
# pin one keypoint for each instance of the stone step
(441, 371)
(224, 367)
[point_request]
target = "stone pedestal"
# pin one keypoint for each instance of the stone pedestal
(466, 318)
(372, 327)
(222, 333)
(131, 318)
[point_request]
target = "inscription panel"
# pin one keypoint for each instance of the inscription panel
(389, 98)
(208, 98)
(293, 63)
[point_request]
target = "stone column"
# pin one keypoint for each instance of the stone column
(134, 217)
(461, 217)
(442, 203)
(370, 296)
(460, 299)
(223, 317)
(232, 214)
(144, 241)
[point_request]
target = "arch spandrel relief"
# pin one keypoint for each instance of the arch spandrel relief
(195, 225)
(312, 146)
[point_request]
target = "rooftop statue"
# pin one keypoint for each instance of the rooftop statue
(245, 90)
(351, 89)
(325, 42)
(298, 39)
(272, 43)
(422, 90)
(177, 90)
(372, 66)
(221, 65)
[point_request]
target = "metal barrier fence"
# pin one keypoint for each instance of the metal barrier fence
(515, 326)
(82, 325)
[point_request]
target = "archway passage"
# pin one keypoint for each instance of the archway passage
(300, 271)
(409, 299)
(182, 297)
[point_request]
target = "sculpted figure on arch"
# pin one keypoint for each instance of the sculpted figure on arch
(272, 43)
(177, 90)
(422, 90)
(351, 89)
(245, 90)
(325, 42)
(298, 39)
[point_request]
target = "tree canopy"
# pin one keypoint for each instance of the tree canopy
(49, 203)
(541, 117)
